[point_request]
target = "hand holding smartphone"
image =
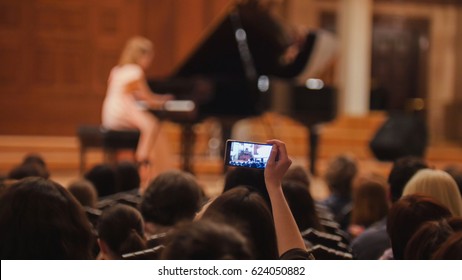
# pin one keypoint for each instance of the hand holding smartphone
(247, 154)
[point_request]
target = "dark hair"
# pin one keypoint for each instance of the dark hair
(41, 220)
(402, 171)
(253, 178)
(32, 165)
(455, 173)
(127, 176)
(121, 227)
(299, 174)
(102, 176)
(206, 240)
(340, 173)
(84, 191)
(370, 202)
(248, 211)
(451, 249)
(172, 196)
(427, 239)
(301, 204)
(406, 216)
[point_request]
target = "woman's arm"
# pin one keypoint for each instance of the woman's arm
(288, 235)
(141, 91)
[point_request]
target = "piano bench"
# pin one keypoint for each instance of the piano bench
(110, 141)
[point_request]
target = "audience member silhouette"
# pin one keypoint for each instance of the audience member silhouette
(207, 240)
(120, 231)
(339, 178)
(370, 203)
(33, 165)
(451, 249)
(127, 177)
(456, 173)
(253, 178)
(301, 204)
(371, 244)
(41, 220)
(407, 215)
(172, 197)
(103, 177)
(248, 211)
(402, 171)
(84, 191)
(429, 237)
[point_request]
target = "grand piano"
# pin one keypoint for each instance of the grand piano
(229, 75)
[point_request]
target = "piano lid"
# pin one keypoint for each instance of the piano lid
(244, 24)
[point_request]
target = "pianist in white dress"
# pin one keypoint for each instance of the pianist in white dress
(127, 90)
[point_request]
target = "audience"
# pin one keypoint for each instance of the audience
(370, 203)
(127, 177)
(339, 178)
(429, 237)
(103, 177)
(261, 214)
(371, 244)
(407, 215)
(207, 240)
(172, 197)
(249, 212)
(451, 249)
(33, 165)
(302, 205)
(84, 191)
(439, 185)
(120, 231)
(456, 173)
(41, 220)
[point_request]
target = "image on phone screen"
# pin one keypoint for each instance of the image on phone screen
(247, 154)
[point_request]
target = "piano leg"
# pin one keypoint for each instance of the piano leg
(314, 140)
(188, 140)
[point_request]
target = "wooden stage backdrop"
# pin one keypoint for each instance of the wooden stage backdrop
(56, 55)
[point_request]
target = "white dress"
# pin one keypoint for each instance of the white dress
(121, 111)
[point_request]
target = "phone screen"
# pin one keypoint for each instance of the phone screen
(247, 154)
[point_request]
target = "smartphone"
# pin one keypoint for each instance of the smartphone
(247, 154)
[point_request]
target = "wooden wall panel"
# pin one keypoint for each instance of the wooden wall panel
(56, 56)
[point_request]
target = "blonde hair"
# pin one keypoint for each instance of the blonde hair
(134, 49)
(439, 185)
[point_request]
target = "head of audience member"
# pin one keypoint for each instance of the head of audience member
(456, 173)
(339, 175)
(370, 200)
(103, 177)
(120, 231)
(248, 211)
(40, 219)
(407, 215)
(439, 185)
(33, 165)
(299, 174)
(207, 240)
(301, 204)
(402, 171)
(428, 238)
(84, 191)
(127, 176)
(451, 249)
(253, 178)
(173, 196)
(137, 50)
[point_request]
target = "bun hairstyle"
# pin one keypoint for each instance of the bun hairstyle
(121, 227)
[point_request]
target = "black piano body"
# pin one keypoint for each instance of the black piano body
(223, 75)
